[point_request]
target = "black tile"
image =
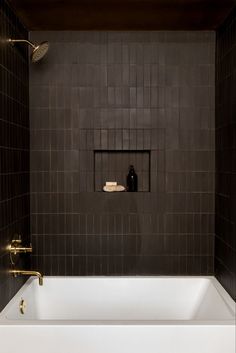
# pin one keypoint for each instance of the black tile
(14, 149)
(225, 250)
(147, 104)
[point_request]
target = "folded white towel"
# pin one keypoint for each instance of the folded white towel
(113, 188)
(111, 183)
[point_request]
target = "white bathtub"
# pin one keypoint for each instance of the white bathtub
(120, 315)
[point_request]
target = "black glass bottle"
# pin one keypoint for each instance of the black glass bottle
(132, 180)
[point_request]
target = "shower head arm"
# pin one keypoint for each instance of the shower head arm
(39, 50)
(21, 41)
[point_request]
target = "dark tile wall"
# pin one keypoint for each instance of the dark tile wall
(225, 243)
(123, 91)
(14, 147)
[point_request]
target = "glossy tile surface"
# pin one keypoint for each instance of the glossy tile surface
(14, 147)
(225, 245)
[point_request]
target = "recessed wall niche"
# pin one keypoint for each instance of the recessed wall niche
(114, 166)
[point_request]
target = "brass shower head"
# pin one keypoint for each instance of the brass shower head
(38, 51)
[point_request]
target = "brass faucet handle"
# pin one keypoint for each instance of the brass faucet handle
(21, 249)
(15, 247)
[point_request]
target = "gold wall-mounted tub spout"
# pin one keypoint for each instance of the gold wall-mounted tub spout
(16, 273)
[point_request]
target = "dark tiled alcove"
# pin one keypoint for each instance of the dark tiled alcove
(148, 94)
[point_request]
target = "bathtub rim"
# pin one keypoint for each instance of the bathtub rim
(227, 299)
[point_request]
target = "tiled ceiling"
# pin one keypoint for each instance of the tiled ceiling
(123, 14)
